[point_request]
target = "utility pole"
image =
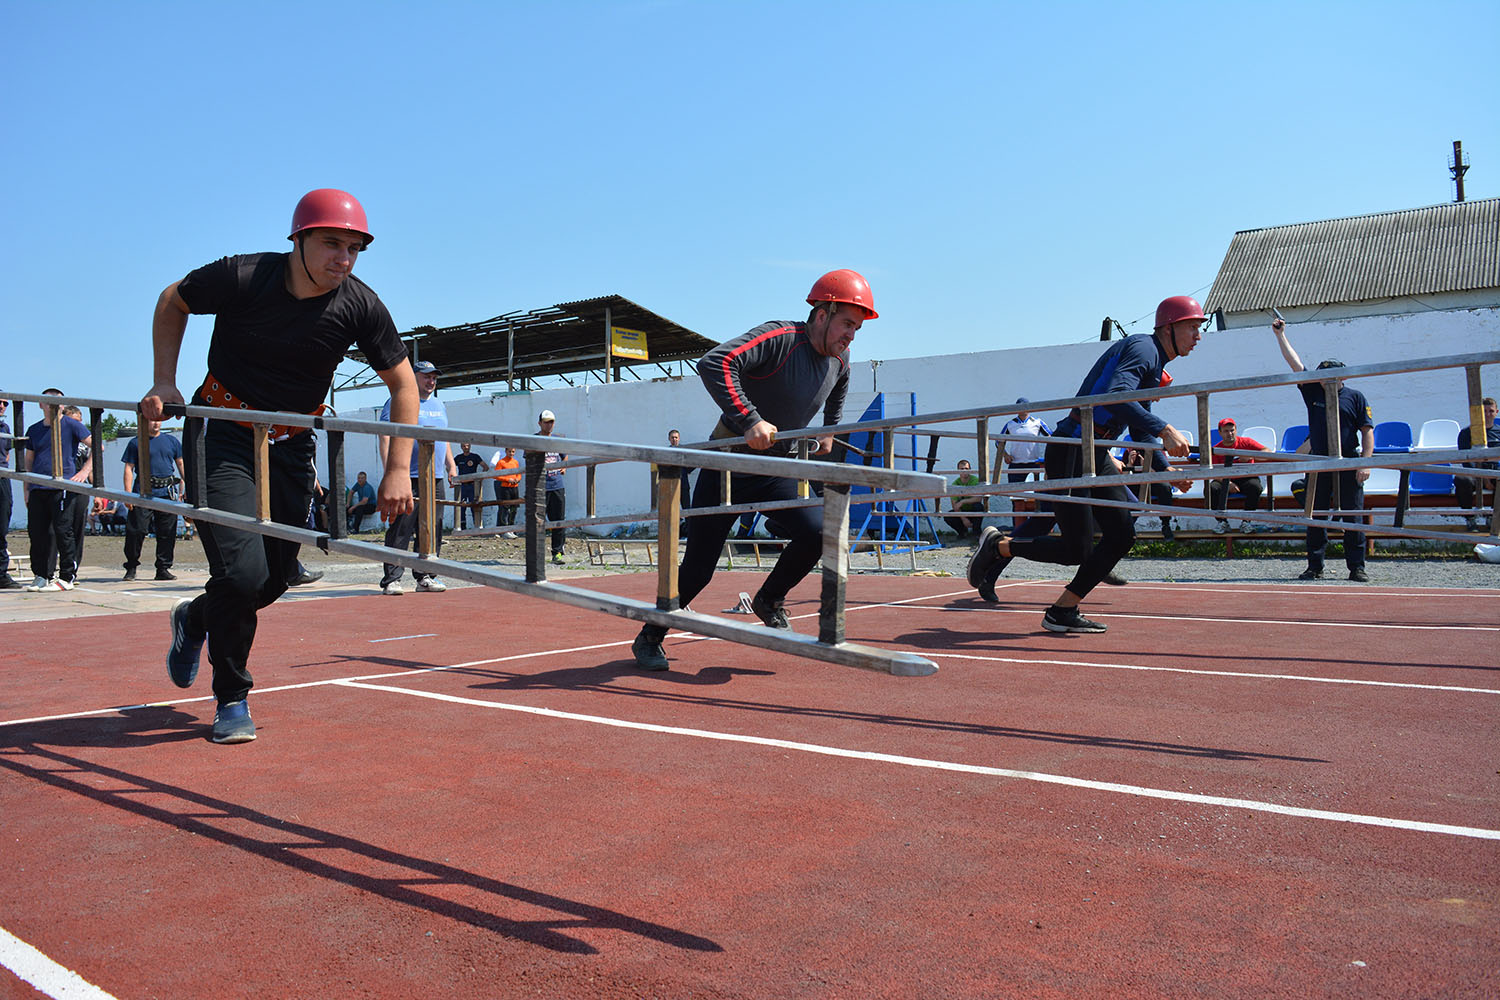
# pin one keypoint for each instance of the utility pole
(1458, 167)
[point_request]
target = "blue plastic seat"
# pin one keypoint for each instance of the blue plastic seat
(1433, 483)
(1393, 436)
(1293, 437)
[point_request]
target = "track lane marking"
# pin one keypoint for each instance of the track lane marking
(45, 975)
(1141, 791)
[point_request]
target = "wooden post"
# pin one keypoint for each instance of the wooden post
(589, 495)
(1205, 436)
(426, 503)
(982, 467)
(262, 447)
(1335, 440)
(804, 448)
(1086, 439)
(668, 519)
(338, 507)
(835, 563)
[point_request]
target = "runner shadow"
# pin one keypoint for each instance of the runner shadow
(572, 678)
(405, 879)
(141, 726)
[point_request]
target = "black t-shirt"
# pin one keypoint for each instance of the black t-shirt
(277, 352)
(1354, 416)
(467, 464)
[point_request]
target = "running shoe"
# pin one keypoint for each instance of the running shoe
(984, 557)
(773, 615)
(1069, 620)
(232, 723)
(1310, 574)
(392, 589)
(431, 585)
(186, 648)
(1114, 579)
(1358, 575)
(647, 651)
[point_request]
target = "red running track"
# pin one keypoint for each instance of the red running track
(1283, 791)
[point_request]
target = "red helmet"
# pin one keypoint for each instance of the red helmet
(1177, 308)
(844, 285)
(330, 208)
(1166, 379)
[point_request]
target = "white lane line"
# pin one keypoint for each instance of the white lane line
(1217, 673)
(1197, 618)
(398, 638)
(45, 975)
(943, 765)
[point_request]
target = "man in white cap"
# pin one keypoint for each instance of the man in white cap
(430, 413)
(557, 495)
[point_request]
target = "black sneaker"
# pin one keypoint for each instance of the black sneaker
(1114, 579)
(232, 723)
(773, 615)
(187, 645)
(129, 574)
(984, 557)
(1310, 574)
(161, 574)
(1359, 575)
(1167, 534)
(1068, 620)
(305, 576)
(986, 586)
(648, 652)
(8, 582)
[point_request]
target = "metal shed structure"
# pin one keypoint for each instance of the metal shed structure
(606, 336)
(1414, 260)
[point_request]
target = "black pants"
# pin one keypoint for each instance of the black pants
(506, 514)
(801, 526)
(137, 523)
(1074, 546)
(963, 519)
(1468, 489)
(52, 525)
(557, 509)
(5, 510)
(246, 571)
(404, 528)
(357, 513)
(1351, 497)
(1248, 486)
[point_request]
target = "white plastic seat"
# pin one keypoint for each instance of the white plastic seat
(1437, 435)
(1386, 482)
(1263, 435)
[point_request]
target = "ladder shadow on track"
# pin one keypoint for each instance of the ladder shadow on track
(406, 880)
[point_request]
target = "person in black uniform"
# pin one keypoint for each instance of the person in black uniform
(1356, 439)
(776, 375)
(1133, 363)
(283, 323)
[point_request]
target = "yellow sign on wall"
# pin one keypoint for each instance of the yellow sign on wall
(628, 343)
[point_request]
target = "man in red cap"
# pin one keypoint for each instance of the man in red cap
(1249, 487)
(776, 375)
(1128, 365)
(283, 322)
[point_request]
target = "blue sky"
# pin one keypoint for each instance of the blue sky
(1004, 174)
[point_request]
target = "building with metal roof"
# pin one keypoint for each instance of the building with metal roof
(1417, 260)
(608, 337)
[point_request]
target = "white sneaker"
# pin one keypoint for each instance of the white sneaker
(393, 589)
(508, 534)
(1220, 527)
(61, 584)
(37, 585)
(431, 585)
(1246, 526)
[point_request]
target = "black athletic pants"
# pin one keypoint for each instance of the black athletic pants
(51, 524)
(404, 528)
(137, 523)
(1075, 546)
(557, 509)
(246, 571)
(1351, 497)
(801, 526)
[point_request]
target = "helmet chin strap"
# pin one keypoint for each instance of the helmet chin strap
(302, 255)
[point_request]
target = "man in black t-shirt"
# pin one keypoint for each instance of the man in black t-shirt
(1356, 439)
(469, 463)
(283, 322)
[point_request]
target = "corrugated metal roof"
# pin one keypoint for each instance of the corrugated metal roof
(1443, 248)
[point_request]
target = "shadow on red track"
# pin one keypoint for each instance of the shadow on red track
(28, 750)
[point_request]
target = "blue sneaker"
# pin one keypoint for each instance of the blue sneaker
(187, 645)
(232, 723)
